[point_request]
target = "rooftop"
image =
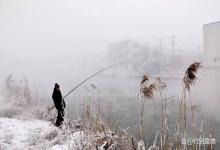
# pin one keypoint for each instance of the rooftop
(216, 22)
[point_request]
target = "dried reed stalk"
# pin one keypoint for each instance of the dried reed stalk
(161, 86)
(132, 142)
(189, 79)
(146, 92)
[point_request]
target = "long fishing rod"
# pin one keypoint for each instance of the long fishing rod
(77, 86)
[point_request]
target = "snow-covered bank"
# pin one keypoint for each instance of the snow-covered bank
(28, 127)
(40, 135)
(30, 134)
(14, 134)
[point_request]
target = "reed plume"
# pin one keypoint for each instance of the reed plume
(161, 85)
(190, 75)
(144, 78)
(147, 91)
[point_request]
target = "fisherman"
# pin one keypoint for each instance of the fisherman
(59, 104)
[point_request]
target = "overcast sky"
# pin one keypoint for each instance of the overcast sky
(40, 32)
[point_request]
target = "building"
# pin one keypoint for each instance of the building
(211, 43)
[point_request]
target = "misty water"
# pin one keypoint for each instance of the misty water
(118, 95)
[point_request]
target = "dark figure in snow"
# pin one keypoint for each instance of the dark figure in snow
(59, 104)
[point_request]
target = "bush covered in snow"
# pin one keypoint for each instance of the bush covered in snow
(10, 111)
(43, 113)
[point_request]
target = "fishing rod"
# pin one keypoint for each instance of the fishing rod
(77, 86)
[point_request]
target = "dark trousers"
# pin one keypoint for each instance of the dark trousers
(60, 117)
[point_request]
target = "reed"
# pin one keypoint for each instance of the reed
(101, 125)
(189, 79)
(146, 92)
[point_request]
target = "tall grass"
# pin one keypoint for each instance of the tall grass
(102, 132)
(172, 139)
(146, 92)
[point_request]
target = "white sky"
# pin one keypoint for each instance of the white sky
(40, 33)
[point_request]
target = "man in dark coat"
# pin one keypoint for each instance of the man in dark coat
(59, 104)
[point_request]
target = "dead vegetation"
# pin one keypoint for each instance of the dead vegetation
(167, 140)
(103, 136)
(97, 131)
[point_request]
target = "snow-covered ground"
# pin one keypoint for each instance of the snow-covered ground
(30, 134)
(26, 127)
(14, 134)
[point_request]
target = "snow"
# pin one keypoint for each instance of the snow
(21, 128)
(14, 133)
(27, 134)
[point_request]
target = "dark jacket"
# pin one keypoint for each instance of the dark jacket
(57, 98)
